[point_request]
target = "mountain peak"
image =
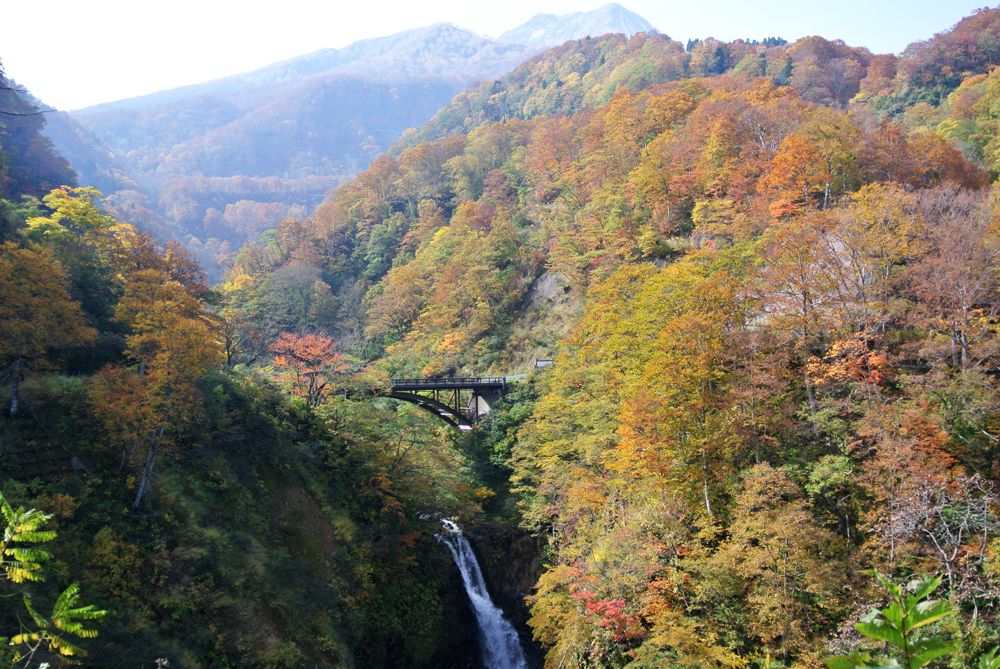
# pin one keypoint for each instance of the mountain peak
(544, 30)
(448, 27)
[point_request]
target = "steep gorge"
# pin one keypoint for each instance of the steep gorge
(772, 308)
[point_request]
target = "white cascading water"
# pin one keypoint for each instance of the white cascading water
(500, 643)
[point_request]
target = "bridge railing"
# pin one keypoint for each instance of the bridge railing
(431, 382)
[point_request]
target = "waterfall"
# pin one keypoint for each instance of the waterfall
(500, 643)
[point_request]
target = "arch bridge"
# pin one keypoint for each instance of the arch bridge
(459, 401)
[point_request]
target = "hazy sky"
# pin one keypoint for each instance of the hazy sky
(74, 53)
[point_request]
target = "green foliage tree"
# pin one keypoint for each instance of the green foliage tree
(782, 561)
(75, 214)
(83, 238)
(174, 341)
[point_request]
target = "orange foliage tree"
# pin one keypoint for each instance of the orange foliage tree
(307, 362)
(174, 342)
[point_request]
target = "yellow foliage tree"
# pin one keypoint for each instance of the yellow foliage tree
(37, 314)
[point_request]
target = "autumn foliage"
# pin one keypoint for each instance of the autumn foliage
(308, 362)
(766, 274)
(37, 314)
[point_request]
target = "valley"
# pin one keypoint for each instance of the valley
(564, 349)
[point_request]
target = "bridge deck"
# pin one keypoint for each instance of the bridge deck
(450, 383)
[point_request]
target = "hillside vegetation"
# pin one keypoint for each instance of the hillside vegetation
(784, 372)
(213, 165)
(771, 296)
(204, 512)
(29, 165)
(585, 73)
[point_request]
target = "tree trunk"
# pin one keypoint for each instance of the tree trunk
(806, 314)
(127, 455)
(847, 531)
(963, 341)
(810, 392)
(704, 486)
(786, 619)
(15, 386)
(956, 360)
(147, 473)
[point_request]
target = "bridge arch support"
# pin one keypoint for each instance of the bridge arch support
(460, 402)
(439, 409)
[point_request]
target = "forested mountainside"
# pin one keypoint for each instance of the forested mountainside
(163, 506)
(772, 307)
(585, 73)
(611, 183)
(213, 165)
(769, 436)
(29, 164)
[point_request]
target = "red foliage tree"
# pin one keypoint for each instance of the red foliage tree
(307, 362)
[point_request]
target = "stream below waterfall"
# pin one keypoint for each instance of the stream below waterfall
(501, 647)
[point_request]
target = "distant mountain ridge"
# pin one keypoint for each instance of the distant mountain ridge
(434, 64)
(440, 50)
(218, 162)
(551, 30)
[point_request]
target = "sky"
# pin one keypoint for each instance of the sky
(76, 53)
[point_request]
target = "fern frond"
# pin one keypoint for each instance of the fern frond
(26, 554)
(64, 647)
(19, 575)
(35, 536)
(6, 510)
(20, 561)
(41, 622)
(66, 599)
(68, 617)
(27, 637)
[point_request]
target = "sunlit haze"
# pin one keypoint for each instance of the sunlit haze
(77, 54)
